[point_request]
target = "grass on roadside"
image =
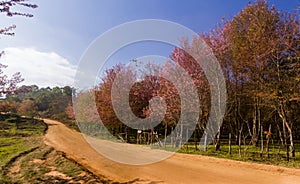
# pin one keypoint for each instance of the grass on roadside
(18, 136)
(248, 153)
(24, 158)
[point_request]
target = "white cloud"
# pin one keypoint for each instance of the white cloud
(40, 68)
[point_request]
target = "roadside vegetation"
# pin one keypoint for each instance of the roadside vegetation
(32, 101)
(24, 158)
(247, 153)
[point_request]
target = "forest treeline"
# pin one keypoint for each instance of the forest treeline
(259, 52)
(32, 101)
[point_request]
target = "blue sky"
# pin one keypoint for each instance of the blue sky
(61, 30)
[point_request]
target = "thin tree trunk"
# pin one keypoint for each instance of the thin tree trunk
(152, 136)
(172, 140)
(187, 140)
(268, 141)
(166, 130)
(229, 144)
(245, 146)
(261, 142)
(218, 145)
(292, 147)
(126, 135)
(254, 134)
(240, 142)
(282, 115)
(285, 142)
(259, 124)
(236, 109)
(205, 142)
(280, 136)
(195, 139)
(180, 135)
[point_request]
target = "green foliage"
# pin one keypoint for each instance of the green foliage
(12, 139)
(54, 103)
(12, 120)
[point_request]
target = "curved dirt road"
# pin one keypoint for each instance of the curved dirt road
(180, 168)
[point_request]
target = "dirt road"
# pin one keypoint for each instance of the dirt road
(179, 168)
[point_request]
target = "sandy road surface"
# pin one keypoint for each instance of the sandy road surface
(180, 168)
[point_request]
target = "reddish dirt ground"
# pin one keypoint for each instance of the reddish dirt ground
(179, 168)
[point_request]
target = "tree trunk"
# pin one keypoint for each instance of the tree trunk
(268, 141)
(280, 136)
(195, 139)
(254, 133)
(152, 136)
(217, 144)
(259, 124)
(229, 144)
(240, 142)
(166, 130)
(205, 142)
(285, 142)
(261, 142)
(187, 140)
(236, 110)
(282, 114)
(172, 140)
(180, 134)
(126, 135)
